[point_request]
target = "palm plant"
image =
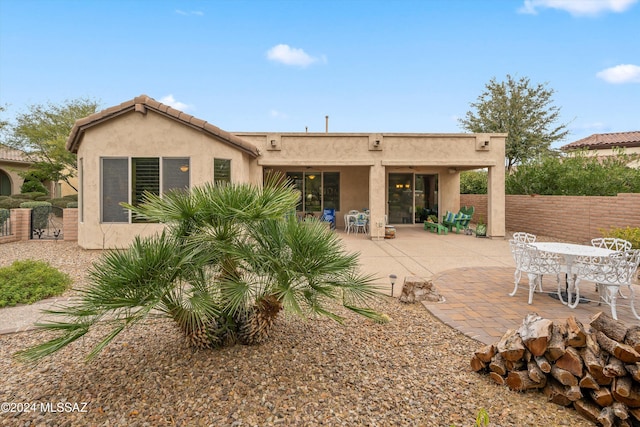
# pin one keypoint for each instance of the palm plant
(230, 260)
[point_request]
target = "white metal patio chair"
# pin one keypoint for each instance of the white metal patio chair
(535, 263)
(610, 273)
(612, 243)
(361, 223)
(524, 237)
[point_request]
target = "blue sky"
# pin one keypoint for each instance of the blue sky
(281, 66)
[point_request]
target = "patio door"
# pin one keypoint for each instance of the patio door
(400, 198)
(411, 197)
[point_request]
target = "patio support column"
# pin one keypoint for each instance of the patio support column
(377, 201)
(496, 202)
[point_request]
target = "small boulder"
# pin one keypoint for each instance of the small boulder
(418, 289)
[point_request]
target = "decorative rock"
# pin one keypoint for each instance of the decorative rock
(418, 289)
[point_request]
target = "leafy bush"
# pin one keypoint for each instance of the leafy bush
(40, 214)
(60, 202)
(23, 196)
(73, 197)
(630, 234)
(72, 204)
(10, 203)
(4, 215)
(578, 175)
(33, 186)
(473, 182)
(28, 281)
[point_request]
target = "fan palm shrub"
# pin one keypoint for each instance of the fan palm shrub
(230, 260)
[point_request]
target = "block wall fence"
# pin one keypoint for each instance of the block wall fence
(568, 218)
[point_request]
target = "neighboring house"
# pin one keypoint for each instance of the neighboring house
(603, 144)
(11, 162)
(143, 145)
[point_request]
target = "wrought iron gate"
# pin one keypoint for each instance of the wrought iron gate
(46, 222)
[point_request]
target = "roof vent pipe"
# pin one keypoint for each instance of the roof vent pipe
(326, 124)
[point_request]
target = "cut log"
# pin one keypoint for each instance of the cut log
(497, 365)
(622, 351)
(614, 368)
(588, 381)
(555, 393)
(632, 401)
(535, 373)
(543, 364)
(614, 329)
(622, 386)
(511, 346)
(573, 392)
(624, 423)
(485, 353)
(517, 365)
(592, 343)
(536, 333)
(587, 409)
(635, 413)
(576, 335)
(634, 371)
(497, 378)
(477, 364)
(520, 381)
(633, 338)
(555, 348)
(602, 397)
(571, 361)
(595, 366)
(621, 410)
(606, 417)
(563, 376)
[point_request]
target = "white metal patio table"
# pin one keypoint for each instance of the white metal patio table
(569, 251)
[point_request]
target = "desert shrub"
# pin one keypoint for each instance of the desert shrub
(28, 281)
(72, 204)
(628, 233)
(60, 202)
(31, 186)
(73, 197)
(10, 203)
(23, 196)
(40, 213)
(4, 215)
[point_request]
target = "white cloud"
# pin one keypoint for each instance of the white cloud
(170, 101)
(291, 56)
(577, 7)
(278, 114)
(623, 73)
(191, 12)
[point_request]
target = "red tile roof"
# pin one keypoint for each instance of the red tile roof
(11, 155)
(142, 103)
(605, 141)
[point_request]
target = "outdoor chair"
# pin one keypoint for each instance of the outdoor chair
(521, 236)
(459, 221)
(329, 215)
(614, 244)
(361, 223)
(535, 264)
(610, 273)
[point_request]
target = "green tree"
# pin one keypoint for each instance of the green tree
(580, 174)
(523, 111)
(42, 133)
(231, 259)
(473, 182)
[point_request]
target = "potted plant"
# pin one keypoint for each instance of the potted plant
(481, 227)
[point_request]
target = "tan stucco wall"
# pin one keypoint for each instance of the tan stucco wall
(443, 154)
(364, 162)
(145, 135)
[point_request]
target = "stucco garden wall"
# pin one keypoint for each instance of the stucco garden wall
(567, 218)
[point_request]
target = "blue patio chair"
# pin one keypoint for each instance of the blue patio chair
(329, 215)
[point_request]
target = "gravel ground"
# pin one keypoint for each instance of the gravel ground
(413, 371)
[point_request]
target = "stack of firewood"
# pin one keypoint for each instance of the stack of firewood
(595, 369)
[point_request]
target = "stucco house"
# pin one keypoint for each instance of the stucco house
(11, 163)
(603, 144)
(143, 144)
